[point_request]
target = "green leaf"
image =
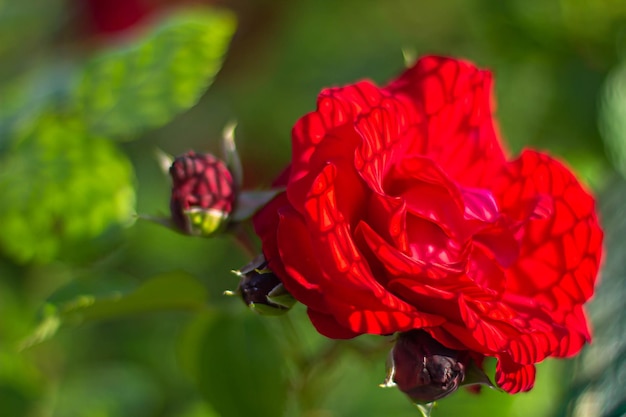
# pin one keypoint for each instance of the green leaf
(82, 302)
(147, 83)
(170, 291)
(238, 365)
(62, 187)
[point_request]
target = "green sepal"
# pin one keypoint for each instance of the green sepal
(475, 375)
(248, 202)
(268, 310)
(281, 297)
(205, 222)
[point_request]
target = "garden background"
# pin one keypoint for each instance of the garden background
(104, 315)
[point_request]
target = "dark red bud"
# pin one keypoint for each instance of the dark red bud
(423, 368)
(261, 289)
(203, 193)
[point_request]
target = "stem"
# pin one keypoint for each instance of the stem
(244, 240)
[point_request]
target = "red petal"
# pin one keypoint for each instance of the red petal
(493, 333)
(347, 270)
(428, 193)
(479, 205)
(456, 98)
(265, 223)
(339, 309)
(560, 251)
(387, 216)
(386, 131)
(514, 378)
(298, 269)
(336, 107)
(337, 148)
(560, 254)
(374, 321)
(397, 263)
(327, 325)
(345, 273)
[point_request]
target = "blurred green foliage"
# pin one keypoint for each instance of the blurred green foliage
(106, 317)
(75, 186)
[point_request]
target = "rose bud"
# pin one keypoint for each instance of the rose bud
(261, 290)
(423, 368)
(203, 194)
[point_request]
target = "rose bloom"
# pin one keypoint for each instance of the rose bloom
(402, 211)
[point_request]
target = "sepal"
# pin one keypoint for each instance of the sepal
(251, 201)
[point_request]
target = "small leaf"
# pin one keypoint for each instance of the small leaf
(170, 291)
(147, 83)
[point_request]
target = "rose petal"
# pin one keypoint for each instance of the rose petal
(429, 194)
(387, 216)
(328, 326)
(525, 332)
(479, 205)
(336, 107)
(265, 224)
(460, 132)
(338, 148)
(345, 268)
(514, 378)
(560, 254)
(299, 272)
(386, 131)
(399, 263)
(492, 334)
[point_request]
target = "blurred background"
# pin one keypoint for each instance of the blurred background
(105, 316)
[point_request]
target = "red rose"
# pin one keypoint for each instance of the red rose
(402, 211)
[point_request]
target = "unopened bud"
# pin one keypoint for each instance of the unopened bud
(423, 368)
(203, 194)
(261, 289)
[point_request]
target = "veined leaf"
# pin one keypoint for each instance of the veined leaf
(148, 82)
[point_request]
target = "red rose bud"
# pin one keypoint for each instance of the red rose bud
(261, 290)
(203, 194)
(423, 368)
